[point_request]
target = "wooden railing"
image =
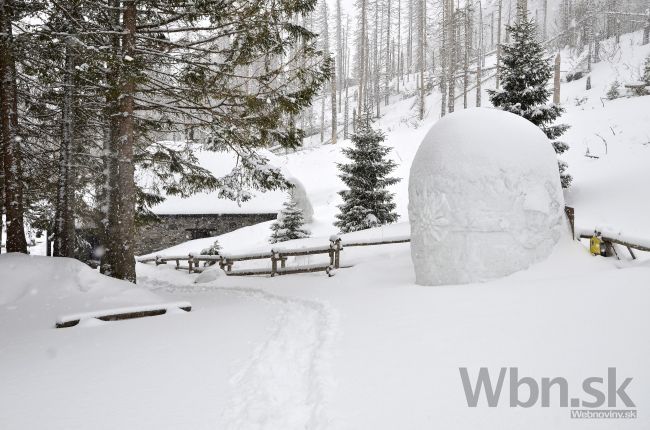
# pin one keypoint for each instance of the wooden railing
(278, 257)
(609, 239)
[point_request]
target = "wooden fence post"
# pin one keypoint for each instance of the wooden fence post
(570, 213)
(337, 253)
(190, 261)
(274, 263)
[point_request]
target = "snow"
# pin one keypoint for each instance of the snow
(81, 316)
(367, 348)
(39, 290)
(300, 197)
(485, 198)
(210, 274)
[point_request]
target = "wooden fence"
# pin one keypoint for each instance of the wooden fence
(278, 257)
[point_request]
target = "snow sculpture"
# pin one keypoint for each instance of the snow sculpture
(299, 195)
(484, 198)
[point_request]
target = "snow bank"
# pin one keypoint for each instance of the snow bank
(484, 198)
(38, 290)
(210, 274)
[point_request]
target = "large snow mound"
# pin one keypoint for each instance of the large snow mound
(485, 198)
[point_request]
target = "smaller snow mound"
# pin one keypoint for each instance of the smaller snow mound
(37, 290)
(210, 275)
(484, 198)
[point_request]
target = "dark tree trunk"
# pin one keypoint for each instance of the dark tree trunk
(118, 260)
(125, 261)
(11, 140)
(65, 229)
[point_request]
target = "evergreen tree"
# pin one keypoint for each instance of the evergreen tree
(289, 224)
(524, 74)
(646, 72)
(211, 250)
(367, 203)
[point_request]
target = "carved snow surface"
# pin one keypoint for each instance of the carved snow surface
(484, 198)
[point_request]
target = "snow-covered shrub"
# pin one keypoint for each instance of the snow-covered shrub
(579, 101)
(289, 224)
(367, 202)
(646, 71)
(575, 76)
(211, 250)
(614, 90)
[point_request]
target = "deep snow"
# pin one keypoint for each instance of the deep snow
(365, 349)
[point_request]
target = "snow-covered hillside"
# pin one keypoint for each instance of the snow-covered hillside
(367, 348)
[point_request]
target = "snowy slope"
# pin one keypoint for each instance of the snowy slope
(607, 191)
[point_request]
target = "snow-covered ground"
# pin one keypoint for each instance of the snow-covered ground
(367, 348)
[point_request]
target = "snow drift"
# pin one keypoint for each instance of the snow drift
(484, 198)
(38, 290)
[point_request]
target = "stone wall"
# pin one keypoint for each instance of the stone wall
(174, 229)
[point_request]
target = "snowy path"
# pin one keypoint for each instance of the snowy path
(284, 384)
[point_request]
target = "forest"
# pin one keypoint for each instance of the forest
(104, 102)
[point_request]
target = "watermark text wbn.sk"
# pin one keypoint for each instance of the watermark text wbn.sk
(596, 392)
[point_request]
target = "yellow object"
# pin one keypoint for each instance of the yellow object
(594, 245)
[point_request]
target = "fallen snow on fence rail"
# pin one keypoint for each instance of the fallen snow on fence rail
(609, 233)
(81, 316)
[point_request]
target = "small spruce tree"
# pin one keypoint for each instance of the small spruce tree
(289, 224)
(211, 250)
(525, 73)
(614, 90)
(366, 203)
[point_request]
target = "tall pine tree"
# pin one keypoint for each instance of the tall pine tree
(366, 203)
(525, 72)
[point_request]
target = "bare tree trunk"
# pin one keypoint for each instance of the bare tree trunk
(334, 110)
(399, 43)
(479, 57)
(409, 42)
(545, 24)
(346, 80)
(11, 139)
(376, 51)
(388, 56)
(451, 80)
(556, 80)
(362, 56)
(468, 46)
(444, 56)
(522, 10)
(421, 50)
(339, 53)
(64, 226)
(492, 30)
(499, 43)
